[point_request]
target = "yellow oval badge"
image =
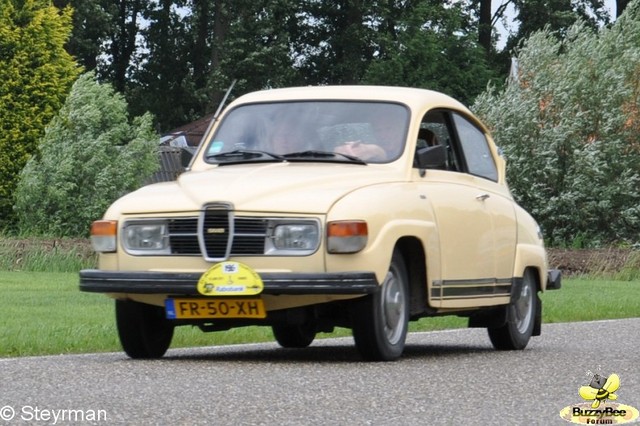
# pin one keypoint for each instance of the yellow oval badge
(609, 413)
(230, 279)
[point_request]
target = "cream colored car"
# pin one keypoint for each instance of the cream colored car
(310, 208)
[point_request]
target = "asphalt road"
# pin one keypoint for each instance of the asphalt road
(444, 378)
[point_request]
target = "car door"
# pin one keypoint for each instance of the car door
(494, 195)
(468, 209)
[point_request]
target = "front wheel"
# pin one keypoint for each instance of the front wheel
(144, 331)
(380, 321)
(518, 329)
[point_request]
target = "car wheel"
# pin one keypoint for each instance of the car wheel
(517, 330)
(294, 336)
(380, 321)
(143, 329)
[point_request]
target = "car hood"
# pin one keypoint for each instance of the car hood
(274, 187)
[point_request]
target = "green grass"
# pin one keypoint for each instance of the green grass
(591, 299)
(45, 313)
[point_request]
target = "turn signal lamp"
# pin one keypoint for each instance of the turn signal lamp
(103, 235)
(347, 236)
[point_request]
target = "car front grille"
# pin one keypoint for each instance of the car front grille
(220, 235)
(183, 236)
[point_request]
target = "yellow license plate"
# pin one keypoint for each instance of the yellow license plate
(214, 308)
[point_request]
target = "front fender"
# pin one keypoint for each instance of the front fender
(377, 254)
(405, 212)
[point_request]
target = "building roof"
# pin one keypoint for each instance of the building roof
(192, 132)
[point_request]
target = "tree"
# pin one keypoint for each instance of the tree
(334, 40)
(431, 46)
(256, 49)
(91, 25)
(485, 24)
(91, 154)
(569, 126)
(621, 5)
(121, 41)
(35, 76)
(160, 79)
(556, 15)
(177, 57)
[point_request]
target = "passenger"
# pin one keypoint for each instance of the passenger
(364, 151)
(381, 145)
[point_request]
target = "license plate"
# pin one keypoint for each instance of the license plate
(216, 308)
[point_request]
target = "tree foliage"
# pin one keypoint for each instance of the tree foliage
(90, 155)
(175, 58)
(569, 124)
(92, 20)
(430, 45)
(160, 79)
(250, 43)
(35, 76)
(557, 15)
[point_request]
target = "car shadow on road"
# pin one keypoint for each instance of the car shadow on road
(326, 353)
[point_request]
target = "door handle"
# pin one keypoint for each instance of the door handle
(482, 197)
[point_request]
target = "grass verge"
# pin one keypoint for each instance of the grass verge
(46, 255)
(45, 313)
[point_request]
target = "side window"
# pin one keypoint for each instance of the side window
(435, 130)
(475, 148)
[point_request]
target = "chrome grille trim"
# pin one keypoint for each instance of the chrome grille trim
(215, 231)
(217, 234)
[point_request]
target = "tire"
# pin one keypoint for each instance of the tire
(518, 329)
(380, 321)
(144, 331)
(294, 336)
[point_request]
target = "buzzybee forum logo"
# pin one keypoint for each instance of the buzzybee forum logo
(599, 408)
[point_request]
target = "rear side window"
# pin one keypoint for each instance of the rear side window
(475, 148)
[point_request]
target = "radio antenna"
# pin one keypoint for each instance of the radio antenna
(226, 95)
(192, 151)
(219, 110)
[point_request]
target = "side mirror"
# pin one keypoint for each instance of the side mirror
(186, 155)
(431, 157)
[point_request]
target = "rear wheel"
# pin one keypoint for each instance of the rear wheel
(294, 336)
(518, 329)
(144, 331)
(380, 321)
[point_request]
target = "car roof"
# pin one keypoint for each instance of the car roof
(412, 97)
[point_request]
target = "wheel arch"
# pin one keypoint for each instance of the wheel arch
(531, 257)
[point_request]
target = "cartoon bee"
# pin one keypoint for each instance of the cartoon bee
(600, 389)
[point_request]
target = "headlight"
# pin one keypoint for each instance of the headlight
(146, 237)
(294, 238)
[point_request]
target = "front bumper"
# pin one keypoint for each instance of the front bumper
(183, 283)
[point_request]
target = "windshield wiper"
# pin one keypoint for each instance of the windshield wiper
(245, 156)
(313, 155)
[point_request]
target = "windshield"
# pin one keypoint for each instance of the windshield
(373, 132)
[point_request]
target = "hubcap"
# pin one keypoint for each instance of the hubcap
(393, 302)
(524, 308)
